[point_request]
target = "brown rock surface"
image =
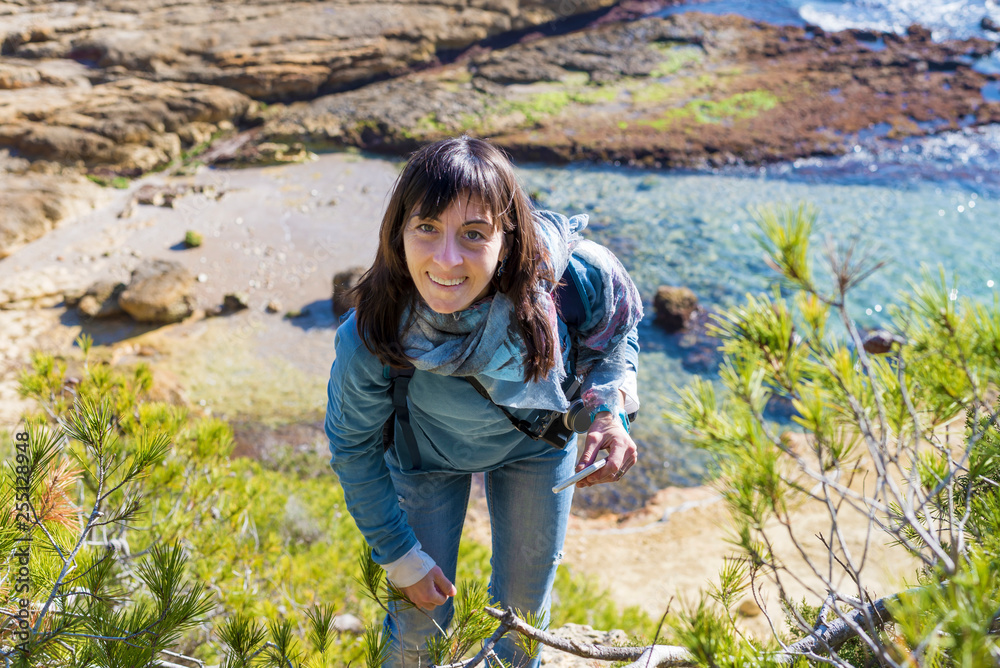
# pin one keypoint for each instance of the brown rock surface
(32, 204)
(266, 50)
(159, 291)
(673, 307)
(685, 90)
(101, 300)
(127, 127)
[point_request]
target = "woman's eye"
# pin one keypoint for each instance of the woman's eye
(425, 227)
(474, 235)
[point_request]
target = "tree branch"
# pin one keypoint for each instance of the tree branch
(672, 656)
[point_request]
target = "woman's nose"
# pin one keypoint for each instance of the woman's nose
(447, 253)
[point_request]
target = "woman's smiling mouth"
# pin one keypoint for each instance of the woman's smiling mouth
(446, 282)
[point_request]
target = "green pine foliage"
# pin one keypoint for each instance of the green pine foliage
(876, 415)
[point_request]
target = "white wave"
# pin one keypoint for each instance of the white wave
(947, 19)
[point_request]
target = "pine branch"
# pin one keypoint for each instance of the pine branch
(825, 638)
(676, 656)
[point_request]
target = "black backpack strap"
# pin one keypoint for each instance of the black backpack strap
(569, 299)
(522, 426)
(401, 412)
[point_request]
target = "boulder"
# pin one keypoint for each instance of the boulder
(674, 306)
(880, 341)
(348, 624)
(101, 300)
(159, 291)
(989, 24)
(343, 282)
(553, 658)
(231, 303)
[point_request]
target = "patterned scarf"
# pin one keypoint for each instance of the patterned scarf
(483, 340)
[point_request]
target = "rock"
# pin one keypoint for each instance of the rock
(552, 658)
(880, 341)
(126, 126)
(673, 307)
(273, 306)
(159, 291)
(989, 24)
(34, 204)
(561, 98)
(73, 296)
(343, 282)
(231, 303)
(348, 624)
(101, 300)
(749, 608)
(273, 52)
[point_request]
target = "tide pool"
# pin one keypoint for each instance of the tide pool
(696, 230)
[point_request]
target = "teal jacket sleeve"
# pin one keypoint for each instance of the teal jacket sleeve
(358, 404)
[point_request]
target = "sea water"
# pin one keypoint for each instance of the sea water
(931, 203)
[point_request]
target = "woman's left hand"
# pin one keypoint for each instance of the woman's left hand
(607, 433)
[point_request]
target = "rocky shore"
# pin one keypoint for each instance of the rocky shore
(115, 90)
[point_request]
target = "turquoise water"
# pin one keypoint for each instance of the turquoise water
(695, 230)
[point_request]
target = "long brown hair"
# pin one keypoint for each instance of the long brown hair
(432, 179)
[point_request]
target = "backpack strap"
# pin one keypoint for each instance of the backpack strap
(569, 298)
(400, 382)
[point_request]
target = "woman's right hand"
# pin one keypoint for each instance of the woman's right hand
(431, 591)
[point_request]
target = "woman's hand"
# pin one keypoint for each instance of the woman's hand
(607, 433)
(431, 591)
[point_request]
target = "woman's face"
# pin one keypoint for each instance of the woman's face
(453, 258)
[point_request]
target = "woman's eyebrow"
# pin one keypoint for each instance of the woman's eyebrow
(472, 221)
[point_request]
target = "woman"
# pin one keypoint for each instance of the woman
(462, 292)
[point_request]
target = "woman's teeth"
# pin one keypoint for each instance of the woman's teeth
(445, 281)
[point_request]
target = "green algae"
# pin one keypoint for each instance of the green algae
(545, 104)
(740, 106)
(676, 57)
(534, 106)
(647, 93)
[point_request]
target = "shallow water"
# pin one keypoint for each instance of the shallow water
(696, 230)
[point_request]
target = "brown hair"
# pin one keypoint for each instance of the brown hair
(432, 179)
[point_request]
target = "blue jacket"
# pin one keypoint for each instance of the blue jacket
(455, 428)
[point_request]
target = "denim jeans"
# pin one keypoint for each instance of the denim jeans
(528, 526)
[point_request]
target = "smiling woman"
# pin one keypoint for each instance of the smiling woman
(456, 351)
(453, 258)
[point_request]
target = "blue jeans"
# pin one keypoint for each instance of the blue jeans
(528, 526)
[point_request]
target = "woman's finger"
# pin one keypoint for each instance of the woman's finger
(591, 446)
(443, 585)
(622, 454)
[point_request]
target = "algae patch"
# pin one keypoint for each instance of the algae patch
(740, 106)
(676, 57)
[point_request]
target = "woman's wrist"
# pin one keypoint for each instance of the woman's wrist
(410, 568)
(605, 411)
